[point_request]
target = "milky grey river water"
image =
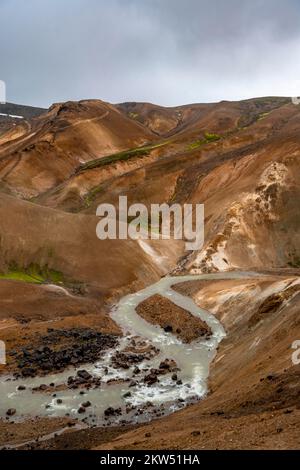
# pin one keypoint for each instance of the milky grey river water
(193, 359)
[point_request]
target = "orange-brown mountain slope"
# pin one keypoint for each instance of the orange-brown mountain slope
(241, 160)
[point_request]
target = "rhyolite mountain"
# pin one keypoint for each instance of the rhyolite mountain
(242, 161)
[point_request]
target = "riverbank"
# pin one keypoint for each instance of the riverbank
(253, 386)
(145, 374)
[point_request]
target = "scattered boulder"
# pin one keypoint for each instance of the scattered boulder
(123, 360)
(133, 383)
(168, 365)
(168, 328)
(151, 379)
(110, 411)
(86, 404)
(84, 374)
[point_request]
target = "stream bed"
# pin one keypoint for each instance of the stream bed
(128, 399)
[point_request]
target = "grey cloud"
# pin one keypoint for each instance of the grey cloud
(165, 51)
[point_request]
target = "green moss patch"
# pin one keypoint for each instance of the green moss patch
(121, 156)
(262, 116)
(33, 274)
(133, 115)
(208, 137)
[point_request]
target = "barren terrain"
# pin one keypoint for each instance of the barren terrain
(59, 284)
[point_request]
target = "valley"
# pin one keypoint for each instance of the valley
(140, 344)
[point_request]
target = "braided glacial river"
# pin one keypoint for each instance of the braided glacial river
(192, 359)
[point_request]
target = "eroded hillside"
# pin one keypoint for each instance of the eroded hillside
(239, 159)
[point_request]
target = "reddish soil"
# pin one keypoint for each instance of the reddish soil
(32, 309)
(160, 311)
(254, 387)
(240, 159)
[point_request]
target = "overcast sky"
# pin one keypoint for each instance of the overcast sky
(163, 51)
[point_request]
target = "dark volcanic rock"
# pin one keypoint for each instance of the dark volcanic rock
(124, 360)
(84, 345)
(151, 378)
(28, 372)
(133, 383)
(110, 411)
(84, 374)
(21, 387)
(86, 404)
(168, 365)
(168, 328)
